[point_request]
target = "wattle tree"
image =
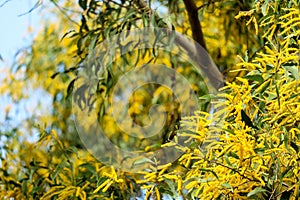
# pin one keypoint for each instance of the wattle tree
(225, 77)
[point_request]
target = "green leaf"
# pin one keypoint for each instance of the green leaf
(70, 88)
(89, 167)
(67, 33)
(286, 139)
(286, 195)
(209, 170)
(247, 120)
(278, 97)
(293, 96)
(142, 161)
(57, 170)
(172, 187)
(229, 131)
(130, 13)
(265, 87)
(246, 56)
(256, 191)
(234, 155)
(264, 8)
(293, 70)
(227, 185)
(206, 97)
(257, 78)
(295, 146)
(83, 4)
(227, 160)
(24, 187)
(145, 19)
(55, 74)
(72, 149)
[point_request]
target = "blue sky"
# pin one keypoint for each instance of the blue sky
(14, 35)
(14, 28)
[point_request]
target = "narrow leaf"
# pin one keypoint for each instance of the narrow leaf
(256, 191)
(257, 78)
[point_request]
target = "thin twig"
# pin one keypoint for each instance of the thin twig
(273, 192)
(36, 5)
(287, 189)
(205, 4)
(236, 171)
(64, 13)
(5, 2)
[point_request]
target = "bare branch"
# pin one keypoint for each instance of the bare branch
(196, 51)
(192, 12)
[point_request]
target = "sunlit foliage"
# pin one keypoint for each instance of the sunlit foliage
(253, 154)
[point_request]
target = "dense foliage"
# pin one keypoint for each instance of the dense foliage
(252, 154)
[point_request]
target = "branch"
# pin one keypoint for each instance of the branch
(192, 12)
(142, 6)
(236, 171)
(206, 4)
(196, 50)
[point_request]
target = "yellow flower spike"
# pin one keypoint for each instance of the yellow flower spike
(151, 177)
(179, 186)
(263, 85)
(171, 177)
(68, 191)
(226, 149)
(293, 12)
(160, 179)
(147, 187)
(107, 186)
(148, 192)
(120, 180)
(49, 181)
(85, 185)
(162, 171)
(293, 21)
(191, 185)
(244, 14)
(102, 185)
(157, 193)
(255, 25)
(152, 168)
(164, 166)
(150, 174)
(249, 21)
(168, 144)
(109, 175)
(198, 191)
(245, 81)
(77, 191)
(54, 134)
(83, 195)
(269, 34)
(141, 181)
(114, 174)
